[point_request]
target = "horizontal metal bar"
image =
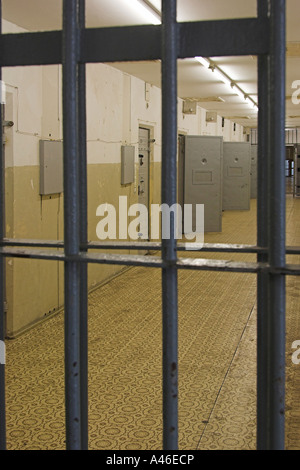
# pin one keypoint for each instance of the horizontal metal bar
(156, 246)
(289, 269)
(150, 246)
(133, 260)
(233, 266)
(128, 43)
(220, 265)
(31, 49)
(245, 36)
(32, 242)
(16, 252)
(150, 261)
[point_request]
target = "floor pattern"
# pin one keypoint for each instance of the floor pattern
(216, 359)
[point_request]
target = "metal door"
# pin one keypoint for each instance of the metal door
(143, 175)
(236, 188)
(297, 171)
(7, 141)
(180, 173)
(253, 172)
(203, 178)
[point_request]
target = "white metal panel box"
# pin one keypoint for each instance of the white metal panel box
(51, 167)
(236, 185)
(127, 164)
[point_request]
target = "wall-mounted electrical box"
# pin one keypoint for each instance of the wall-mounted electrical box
(127, 164)
(211, 116)
(189, 107)
(51, 167)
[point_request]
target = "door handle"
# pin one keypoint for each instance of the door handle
(7, 123)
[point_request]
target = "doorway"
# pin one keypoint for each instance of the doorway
(143, 178)
(8, 134)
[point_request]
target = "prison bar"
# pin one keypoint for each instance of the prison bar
(275, 336)
(71, 225)
(82, 143)
(263, 152)
(169, 252)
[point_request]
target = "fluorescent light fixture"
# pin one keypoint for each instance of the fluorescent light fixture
(146, 12)
(239, 92)
(250, 102)
(218, 73)
(222, 77)
(203, 61)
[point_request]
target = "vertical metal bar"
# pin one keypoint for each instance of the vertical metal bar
(169, 253)
(83, 238)
(276, 376)
(262, 235)
(2, 281)
(71, 224)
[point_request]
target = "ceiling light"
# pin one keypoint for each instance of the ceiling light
(251, 102)
(248, 101)
(217, 72)
(221, 76)
(226, 79)
(239, 92)
(147, 12)
(203, 61)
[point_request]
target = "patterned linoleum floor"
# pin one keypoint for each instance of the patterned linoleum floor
(217, 350)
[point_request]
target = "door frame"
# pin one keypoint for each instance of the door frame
(150, 129)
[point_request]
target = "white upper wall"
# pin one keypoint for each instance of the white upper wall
(25, 85)
(117, 104)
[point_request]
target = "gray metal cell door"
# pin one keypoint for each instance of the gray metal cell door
(253, 172)
(203, 179)
(297, 171)
(236, 184)
(143, 175)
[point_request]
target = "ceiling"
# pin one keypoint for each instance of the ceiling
(195, 81)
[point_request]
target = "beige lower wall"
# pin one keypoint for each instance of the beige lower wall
(32, 285)
(34, 288)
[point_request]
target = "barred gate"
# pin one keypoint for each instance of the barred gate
(73, 47)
